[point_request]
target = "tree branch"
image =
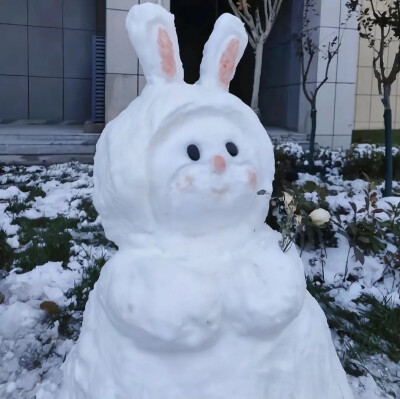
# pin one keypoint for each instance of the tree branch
(270, 16)
(267, 4)
(305, 75)
(249, 18)
(395, 68)
(377, 75)
(236, 11)
(257, 34)
(373, 9)
(258, 22)
(381, 53)
(331, 56)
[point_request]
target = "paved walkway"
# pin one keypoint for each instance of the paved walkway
(278, 134)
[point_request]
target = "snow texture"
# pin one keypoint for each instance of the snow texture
(199, 301)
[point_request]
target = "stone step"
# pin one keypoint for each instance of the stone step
(45, 144)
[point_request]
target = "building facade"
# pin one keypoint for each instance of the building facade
(45, 59)
(47, 71)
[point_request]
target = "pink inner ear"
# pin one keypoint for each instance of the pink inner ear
(166, 50)
(227, 62)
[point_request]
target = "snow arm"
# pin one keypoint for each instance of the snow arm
(161, 306)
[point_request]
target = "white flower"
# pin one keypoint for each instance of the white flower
(320, 216)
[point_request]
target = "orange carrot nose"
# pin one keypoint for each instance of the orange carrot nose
(219, 163)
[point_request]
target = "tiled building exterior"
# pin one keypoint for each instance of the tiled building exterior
(45, 62)
(369, 111)
(124, 78)
(46, 71)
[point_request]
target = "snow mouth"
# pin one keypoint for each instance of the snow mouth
(220, 191)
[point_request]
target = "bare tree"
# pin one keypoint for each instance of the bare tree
(379, 24)
(259, 17)
(309, 51)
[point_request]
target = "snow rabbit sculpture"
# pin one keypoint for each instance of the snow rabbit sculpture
(199, 302)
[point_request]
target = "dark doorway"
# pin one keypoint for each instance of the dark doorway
(100, 17)
(194, 20)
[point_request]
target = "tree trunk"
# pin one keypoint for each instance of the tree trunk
(387, 117)
(312, 137)
(257, 75)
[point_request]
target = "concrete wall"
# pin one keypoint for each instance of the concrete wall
(45, 59)
(124, 77)
(336, 99)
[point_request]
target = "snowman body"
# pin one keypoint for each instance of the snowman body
(235, 326)
(199, 302)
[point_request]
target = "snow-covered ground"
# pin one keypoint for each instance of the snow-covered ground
(32, 349)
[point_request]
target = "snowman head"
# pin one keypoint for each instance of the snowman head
(183, 159)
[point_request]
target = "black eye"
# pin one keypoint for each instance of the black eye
(232, 149)
(193, 152)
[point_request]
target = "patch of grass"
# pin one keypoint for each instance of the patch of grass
(374, 137)
(33, 191)
(31, 228)
(94, 236)
(44, 248)
(6, 252)
(45, 240)
(70, 317)
(90, 274)
(379, 327)
(66, 178)
(16, 206)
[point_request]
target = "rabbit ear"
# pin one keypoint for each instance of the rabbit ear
(152, 32)
(223, 51)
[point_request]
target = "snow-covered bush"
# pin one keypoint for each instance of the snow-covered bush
(372, 330)
(355, 163)
(369, 159)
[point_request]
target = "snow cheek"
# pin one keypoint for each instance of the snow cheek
(207, 181)
(252, 176)
(184, 183)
